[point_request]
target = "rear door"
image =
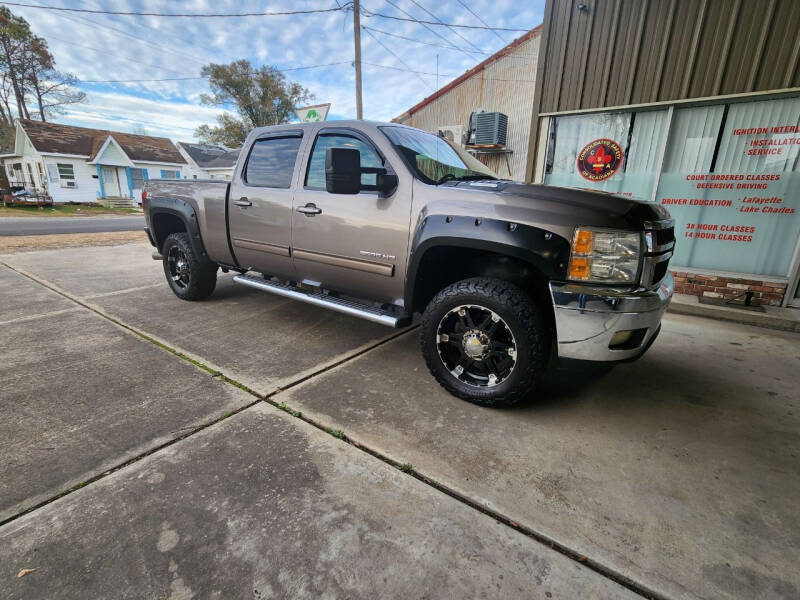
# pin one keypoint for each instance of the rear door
(352, 243)
(260, 204)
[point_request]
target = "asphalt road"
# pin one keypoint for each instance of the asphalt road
(48, 225)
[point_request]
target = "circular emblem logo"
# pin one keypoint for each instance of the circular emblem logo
(599, 159)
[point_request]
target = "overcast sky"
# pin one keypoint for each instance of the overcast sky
(104, 47)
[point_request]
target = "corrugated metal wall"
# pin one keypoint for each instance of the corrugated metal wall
(619, 52)
(505, 85)
(622, 52)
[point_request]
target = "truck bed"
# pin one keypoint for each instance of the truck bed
(207, 198)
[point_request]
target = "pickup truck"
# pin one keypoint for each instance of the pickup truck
(383, 221)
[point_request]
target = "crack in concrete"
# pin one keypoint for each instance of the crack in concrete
(406, 468)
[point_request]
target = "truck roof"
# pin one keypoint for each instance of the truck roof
(342, 123)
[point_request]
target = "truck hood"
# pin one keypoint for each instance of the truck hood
(556, 209)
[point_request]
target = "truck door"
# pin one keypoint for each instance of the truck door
(260, 204)
(352, 243)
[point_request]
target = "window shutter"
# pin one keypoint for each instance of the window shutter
(144, 175)
(163, 174)
(52, 172)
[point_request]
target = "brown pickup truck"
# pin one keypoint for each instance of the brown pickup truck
(383, 221)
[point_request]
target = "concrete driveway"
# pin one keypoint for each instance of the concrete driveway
(154, 448)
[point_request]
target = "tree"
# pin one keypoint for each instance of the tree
(7, 135)
(231, 132)
(27, 70)
(51, 89)
(260, 97)
(15, 33)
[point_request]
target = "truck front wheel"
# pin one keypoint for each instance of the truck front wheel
(484, 340)
(191, 277)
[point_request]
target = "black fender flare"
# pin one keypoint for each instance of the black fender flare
(545, 251)
(184, 211)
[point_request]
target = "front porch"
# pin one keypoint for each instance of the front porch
(116, 186)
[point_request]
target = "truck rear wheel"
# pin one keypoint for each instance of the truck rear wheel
(484, 340)
(191, 277)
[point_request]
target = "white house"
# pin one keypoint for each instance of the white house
(206, 161)
(77, 164)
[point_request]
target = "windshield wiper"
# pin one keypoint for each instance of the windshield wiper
(451, 177)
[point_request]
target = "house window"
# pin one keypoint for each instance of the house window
(17, 174)
(30, 175)
(139, 177)
(168, 174)
(66, 171)
(42, 178)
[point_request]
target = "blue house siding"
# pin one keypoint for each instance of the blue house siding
(129, 177)
(100, 179)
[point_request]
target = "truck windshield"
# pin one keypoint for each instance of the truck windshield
(433, 159)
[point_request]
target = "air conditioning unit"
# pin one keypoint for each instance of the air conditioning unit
(456, 134)
(69, 183)
(488, 129)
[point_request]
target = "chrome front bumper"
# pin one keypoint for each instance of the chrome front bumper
(587, 318)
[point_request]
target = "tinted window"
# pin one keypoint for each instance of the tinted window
(316, 168)
(271, 162)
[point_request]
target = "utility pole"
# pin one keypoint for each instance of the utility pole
(357, 37)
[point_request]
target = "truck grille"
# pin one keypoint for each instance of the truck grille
(660, 239)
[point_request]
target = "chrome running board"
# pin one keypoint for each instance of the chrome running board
(348, 307)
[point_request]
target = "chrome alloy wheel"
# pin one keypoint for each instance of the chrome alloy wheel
(476, 345)
(178, 266)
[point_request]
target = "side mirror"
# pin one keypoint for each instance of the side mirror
(386, 183)
(342, 170)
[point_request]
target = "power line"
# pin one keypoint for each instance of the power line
(149, 41)
(440, 21)
(105, 51)
(398, 58)
(369, 13)
(139, 80)
(408, 39)
(433, 31)
(195, 15)
(482, 21)
(446, 46)
(286, 70)
(344, 7)
(408, 70)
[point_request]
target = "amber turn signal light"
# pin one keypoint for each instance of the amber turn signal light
(579, 268)
(582, 242)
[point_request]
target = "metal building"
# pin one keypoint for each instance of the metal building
(702, 99)
(504, 82)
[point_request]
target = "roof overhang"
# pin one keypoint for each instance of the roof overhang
(160, 162)
(64, 155)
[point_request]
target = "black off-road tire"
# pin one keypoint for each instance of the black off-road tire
(200, 276)
(522, 317)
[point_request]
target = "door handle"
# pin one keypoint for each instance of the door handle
(309, 209)
(243, 202)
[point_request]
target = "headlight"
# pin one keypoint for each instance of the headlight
(605, 256)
